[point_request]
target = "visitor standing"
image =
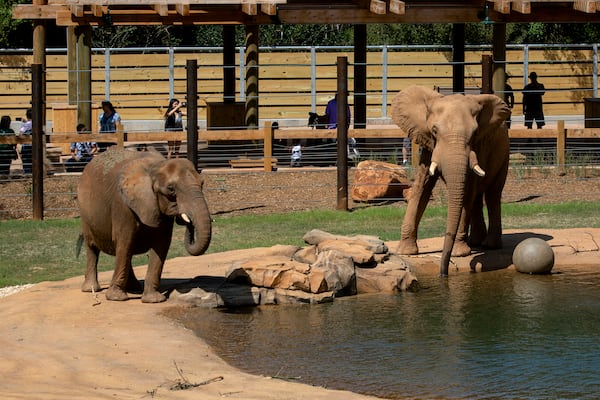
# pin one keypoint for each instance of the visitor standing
(8, 152)
(107, 123)
(174, 123)
(509, 98)
(532, 102)
(26, 149)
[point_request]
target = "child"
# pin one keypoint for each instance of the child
(296, 155)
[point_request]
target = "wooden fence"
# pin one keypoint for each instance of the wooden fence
(294, 81)
(268, 135)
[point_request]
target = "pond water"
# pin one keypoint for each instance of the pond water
(500, 335)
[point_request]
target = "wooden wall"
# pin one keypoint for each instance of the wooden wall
(139, 83)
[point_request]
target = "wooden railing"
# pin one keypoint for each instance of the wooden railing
(268, 134)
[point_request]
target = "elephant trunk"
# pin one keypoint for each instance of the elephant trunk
(198, 224)
(455, 172)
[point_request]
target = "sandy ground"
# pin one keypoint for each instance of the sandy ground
(60, 343)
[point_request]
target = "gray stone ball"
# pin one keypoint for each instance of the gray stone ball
(533, 256)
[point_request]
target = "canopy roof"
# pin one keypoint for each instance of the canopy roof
(251, 12)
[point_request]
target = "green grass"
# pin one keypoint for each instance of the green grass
(35, 251)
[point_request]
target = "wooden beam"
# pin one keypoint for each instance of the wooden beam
(77, 10)
(161, 9)
(269, 8)
(522, 6)
(378, 7)
(502, 6)
(249, 7)
(587, 6)
(30, 11)
(183, 9)
(397, 7)
(98, 10)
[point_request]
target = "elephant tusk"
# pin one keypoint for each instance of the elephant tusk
(477, 169)
(186, 218)
(432, 168)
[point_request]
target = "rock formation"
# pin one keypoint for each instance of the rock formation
(330, 266)
(376, 180)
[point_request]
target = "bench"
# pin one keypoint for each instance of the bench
(251, 163)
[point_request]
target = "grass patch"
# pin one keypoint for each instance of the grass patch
(35, 251)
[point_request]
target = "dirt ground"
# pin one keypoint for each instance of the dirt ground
(231, 192)
(60, 343)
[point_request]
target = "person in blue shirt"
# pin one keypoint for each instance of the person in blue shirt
(107, 122)
(331, 112)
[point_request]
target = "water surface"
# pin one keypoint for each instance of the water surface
(494, 335)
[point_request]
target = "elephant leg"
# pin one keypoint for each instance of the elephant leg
(493, 240)
(478, 230)
(133, 285)
(419, 197)
(90, 283)
(156, 262)
(117, 290)
(461, 248)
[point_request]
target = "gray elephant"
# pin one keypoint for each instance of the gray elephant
(128, 202)
(463, 140)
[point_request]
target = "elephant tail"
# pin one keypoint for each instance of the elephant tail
(79, 245)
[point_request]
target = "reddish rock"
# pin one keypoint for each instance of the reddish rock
(376, 180)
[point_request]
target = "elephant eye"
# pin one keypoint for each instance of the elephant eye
(434, 130)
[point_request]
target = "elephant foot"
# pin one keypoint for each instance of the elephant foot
(407, 247)
(134, 286)
(115, 293)
(461, 249)
(90, 286)
(153, 297)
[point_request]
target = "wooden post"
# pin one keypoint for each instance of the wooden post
(192, 111)
(458, 58)
(84, 75)
(268, 146)
(360, 76)
(228, 63)
(120, 136)
(561, 143)
(251, 118)
(37, 141)
(342, 133)
(499, 59)
(486, 74)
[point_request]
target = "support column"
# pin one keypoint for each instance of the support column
(360, 76)
(499, 59)
(84, 75)
(251, 118)
(39, 54)
(228, 63)
(342, 133)
(191, 67)
(458, 58)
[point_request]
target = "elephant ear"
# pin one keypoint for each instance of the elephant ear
(493, 113)
(136, 188)
(409, 111)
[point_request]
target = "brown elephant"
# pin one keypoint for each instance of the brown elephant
(463, 140)
(128, 202)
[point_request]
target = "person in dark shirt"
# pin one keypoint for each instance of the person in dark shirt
(532, 102)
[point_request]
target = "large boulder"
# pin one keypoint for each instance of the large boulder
(330, 266)
(377, 180)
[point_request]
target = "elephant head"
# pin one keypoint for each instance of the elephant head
(451, 129)
(155, 188)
